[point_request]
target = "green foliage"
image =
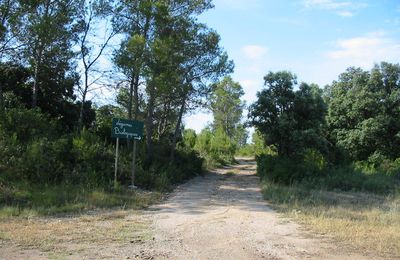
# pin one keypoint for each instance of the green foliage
(216, 148)
(203, 142)
(46, 161)
(290, 120)
(27, 124)
(189, 138)
(93, 160)
(364, 112)
(257, 147)
(222, 149)
(311, 172)
(163, 176)
(28, 200)
(311, 164)
(104, 116)
(227, 108)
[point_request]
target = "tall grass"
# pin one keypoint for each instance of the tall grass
(49, 200)
(368, 221)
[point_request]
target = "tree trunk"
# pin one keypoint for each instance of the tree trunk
(149, 124)
(38, 61)
(130, 101)
(177, 128)
(136, 97)
(1, 97)
(82, 108)
(35, 84)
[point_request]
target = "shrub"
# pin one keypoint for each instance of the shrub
(27, 124)
(312, 173)
(216, 148)
(93, 160)
(308, 165)
(222, 149)
(46, 161)
(189, 138)
(313, 164)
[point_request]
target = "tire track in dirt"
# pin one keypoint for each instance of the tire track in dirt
(223, 216)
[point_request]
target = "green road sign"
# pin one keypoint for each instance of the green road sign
(129, 129)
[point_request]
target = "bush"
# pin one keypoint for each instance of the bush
(282, 169)
(162, 175)
(94, 160)
(28, 124)
(46, 161)
(215, 148)
(189, 138)
(34, 151)
(312, 173)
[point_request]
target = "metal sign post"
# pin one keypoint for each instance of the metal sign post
(116, 164)
(127, 129)
(133, 164)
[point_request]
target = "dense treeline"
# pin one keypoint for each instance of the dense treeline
(165, 64)
(345, 137)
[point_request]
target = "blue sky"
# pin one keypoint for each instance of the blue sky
(315, 39)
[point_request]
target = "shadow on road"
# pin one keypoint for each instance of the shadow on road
(233, 186)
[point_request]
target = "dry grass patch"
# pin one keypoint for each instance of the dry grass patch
(76, 220)
(77, 233)
(37, 201)
(368, 222)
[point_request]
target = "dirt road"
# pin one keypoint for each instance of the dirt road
(219, 216)
(223, 216)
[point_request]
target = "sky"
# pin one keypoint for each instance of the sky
(315, 39)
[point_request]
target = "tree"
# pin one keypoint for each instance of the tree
(202, 62)
(310, 111)
(172, 56)
(227, 108)
(14, 80)
(8, 20)
(290, 120)
(135, 20)
(93, 13)
(47, 31)
(189, 138)
(272, 113)
(364, 112)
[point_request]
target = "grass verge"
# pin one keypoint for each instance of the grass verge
(69, 235)
(70, 220)
(369, 222)
(28, 201)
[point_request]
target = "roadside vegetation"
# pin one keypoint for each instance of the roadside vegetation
(370, 222)
(329, 157)
(56, 150)
(334, 155)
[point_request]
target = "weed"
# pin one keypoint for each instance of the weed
(60, 235)
(369, 221)
(41, 200)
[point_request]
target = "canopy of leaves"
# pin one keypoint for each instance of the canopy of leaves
(364, 111)
(290, 120)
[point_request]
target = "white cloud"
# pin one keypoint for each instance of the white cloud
(365, 50)
(341, 8)
(254, 52)
(345, 13)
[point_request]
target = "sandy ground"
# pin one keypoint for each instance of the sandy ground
(223, 216)
(219, 216)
